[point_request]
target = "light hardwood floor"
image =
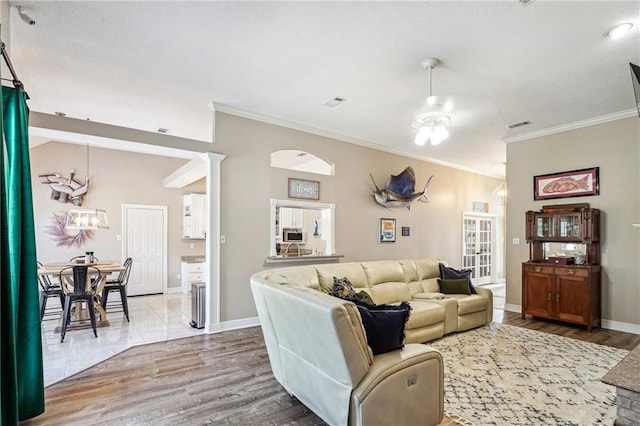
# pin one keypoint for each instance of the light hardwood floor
(215, 379)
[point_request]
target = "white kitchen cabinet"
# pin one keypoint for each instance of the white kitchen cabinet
(193, 216)
(291, 217)
(191, 273)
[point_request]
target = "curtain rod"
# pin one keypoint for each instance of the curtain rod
(16, 81)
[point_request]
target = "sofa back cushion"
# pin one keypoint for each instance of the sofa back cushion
(387, 283)
(352, 271)
(428, 268)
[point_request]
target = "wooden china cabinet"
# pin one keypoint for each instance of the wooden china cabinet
(555, 287)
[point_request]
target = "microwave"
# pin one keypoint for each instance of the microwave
(294, 236)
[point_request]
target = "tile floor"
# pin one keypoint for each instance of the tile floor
(153, 319)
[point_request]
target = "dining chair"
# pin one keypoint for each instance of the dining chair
(119, 285)
(48, 289)
(80, 292)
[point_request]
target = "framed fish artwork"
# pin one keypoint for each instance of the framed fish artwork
(576, 183)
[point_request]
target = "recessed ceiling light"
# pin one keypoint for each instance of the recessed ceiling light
(163, 130)
(334, 102)
(619, 30)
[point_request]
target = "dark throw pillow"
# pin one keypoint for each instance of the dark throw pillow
(384, 325)
(343, 288)
(459, 286)
(448, 273)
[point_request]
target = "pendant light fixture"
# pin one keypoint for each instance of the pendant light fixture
(431, 125)
(87, 218)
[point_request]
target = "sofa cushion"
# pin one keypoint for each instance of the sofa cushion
(427, 268)
(384, 325)
(429, 295)
(459, 286)
(390, 292)
(342, 288)
(353, 271)
(409, 269)
(430, 285)
(424, 313)
(447, 272)
(383, 271)
(469, 304)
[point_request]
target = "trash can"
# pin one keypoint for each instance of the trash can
(198, 292)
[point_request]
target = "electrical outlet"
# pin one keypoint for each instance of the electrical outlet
(118, 237)
(177, 276)
(192, 245)
(516, 241)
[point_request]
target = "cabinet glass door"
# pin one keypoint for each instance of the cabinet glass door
(544, 227)
(569, 226)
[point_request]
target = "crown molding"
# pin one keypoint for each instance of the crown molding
(572, 126)
(343, 138)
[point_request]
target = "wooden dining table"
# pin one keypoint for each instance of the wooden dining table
(75, 269)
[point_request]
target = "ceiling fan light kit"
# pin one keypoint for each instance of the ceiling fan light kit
(431, 125)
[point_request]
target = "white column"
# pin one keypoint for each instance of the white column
(212, 218)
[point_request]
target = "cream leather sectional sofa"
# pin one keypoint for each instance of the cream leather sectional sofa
(318, 348)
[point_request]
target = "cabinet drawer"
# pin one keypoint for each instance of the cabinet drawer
(539, 269)
(195, 277)
(572, 272)
(196, 267)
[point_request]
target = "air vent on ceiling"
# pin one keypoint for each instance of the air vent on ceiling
(520, 124)
(301, 154)
(60, 114)
(334, 102)
(162, 130)
(524, 3)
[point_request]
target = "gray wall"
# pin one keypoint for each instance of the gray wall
(248, 183)
(614, 147)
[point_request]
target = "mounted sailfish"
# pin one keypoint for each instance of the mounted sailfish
(399, 191)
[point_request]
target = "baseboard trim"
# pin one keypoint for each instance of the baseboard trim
(233, 325)
(621, 326)
(513, 308)
(608, 324)
(172, 290)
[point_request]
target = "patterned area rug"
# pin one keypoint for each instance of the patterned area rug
(501, 374)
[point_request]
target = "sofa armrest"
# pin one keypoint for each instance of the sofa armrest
(487, 294)
(405, 386)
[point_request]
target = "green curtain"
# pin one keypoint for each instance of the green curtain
(22, 388)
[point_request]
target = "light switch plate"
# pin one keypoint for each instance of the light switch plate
(223, 239)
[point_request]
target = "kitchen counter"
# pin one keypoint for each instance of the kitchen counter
(311, 258)
(194, 259)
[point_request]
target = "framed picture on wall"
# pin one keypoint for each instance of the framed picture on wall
(306, 189)
(576, 183)
(387, 230)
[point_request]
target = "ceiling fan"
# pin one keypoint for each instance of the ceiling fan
(431, 125)
(440, 114)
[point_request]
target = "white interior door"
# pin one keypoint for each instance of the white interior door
(478, 233)
(145, 241)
